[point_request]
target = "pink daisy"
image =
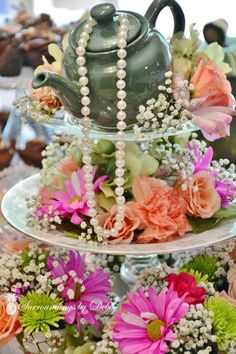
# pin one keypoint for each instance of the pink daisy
(73, 200)
(143, 323)
(84, 294)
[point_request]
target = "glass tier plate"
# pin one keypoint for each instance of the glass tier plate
(15, 211)
(64, 123)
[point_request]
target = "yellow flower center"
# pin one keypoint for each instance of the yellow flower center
(154, 329)
(78, 291)
(75, 199)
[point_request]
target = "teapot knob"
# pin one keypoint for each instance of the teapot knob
(103, 12)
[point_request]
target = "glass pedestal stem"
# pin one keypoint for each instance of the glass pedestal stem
(133, 265)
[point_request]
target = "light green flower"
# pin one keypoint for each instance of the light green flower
(137, 163)
(204, 264)
(197, 275)
(215, 53)
(224, 320)
(87, 348)
(39, 312)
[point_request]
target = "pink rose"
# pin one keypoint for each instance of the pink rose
(231, 276)
(45, 98)
(211, 83)
(130, 223)
(160, 209)
(201, 197)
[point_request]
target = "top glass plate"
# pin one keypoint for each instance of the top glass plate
(64, 123)
(15, 211)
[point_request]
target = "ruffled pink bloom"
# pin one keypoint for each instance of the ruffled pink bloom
(73, 200)
(84, 295)
(67, 165)
(143, 323)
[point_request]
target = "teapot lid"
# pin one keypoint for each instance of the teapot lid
(105, 34)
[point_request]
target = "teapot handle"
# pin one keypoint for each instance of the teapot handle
(158, 5)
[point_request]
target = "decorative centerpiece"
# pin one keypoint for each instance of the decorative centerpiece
(53, 302)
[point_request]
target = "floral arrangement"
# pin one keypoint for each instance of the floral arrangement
(172, 186)
(186, 307)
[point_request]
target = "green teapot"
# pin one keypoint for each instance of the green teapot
(148, 58)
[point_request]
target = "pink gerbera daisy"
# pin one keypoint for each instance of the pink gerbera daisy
(73, 200)
(84, 295)
(143, 323)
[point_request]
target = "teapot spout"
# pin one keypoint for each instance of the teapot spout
(67, 91)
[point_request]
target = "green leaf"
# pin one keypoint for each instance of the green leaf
(228, 212)
(200, 225)
(149, 165)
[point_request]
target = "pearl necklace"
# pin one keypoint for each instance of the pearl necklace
(103, 234)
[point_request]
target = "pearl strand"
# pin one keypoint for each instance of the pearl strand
(121, 125)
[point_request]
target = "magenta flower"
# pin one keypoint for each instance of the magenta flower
(143, 323)
(201, 162)
(226, 191)
(73, 200)
(84, 295)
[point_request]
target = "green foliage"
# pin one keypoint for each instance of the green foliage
(39, 312)
(204, 264)
(200, 225)
(224, 320)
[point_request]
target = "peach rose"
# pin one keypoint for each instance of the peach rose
(160, 209)
(67, 165)
(18, 245)
(231, 276)
(130, 224)
(211, 83)
(201, 196)
(45, 98)
(9, 324)
(233, 254)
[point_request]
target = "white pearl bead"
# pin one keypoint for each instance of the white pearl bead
(123, 34)
(119, 217)
(119, 135)
(82, 70)
(120, 84)
(120, 163)
(85, 36)
(80, 50)
(89, 188)
(121, 94)
(120, 200)
(84, 91)
(121, 115)
(120, 154)
(82, 43)
(119, 181)
(118, 225)
(88, 169)
(120, 145)
(121, 104)
(85, 101)
(88, 178)
(88, 28)
(92, 212)
(98, 229)
(81, 61)
(121, 64)
(113, 232)
(83, 80)
(106, 233)
(86, 132)
(121, 74)
(94, 221)
(119, 191)
(85, 111)
(91, 203)
(121, 208)
(121, 43)
(120, 172)
(123, 28)
(121, 53)
(121, 125)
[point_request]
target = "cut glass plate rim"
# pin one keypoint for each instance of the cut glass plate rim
(14, 210)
